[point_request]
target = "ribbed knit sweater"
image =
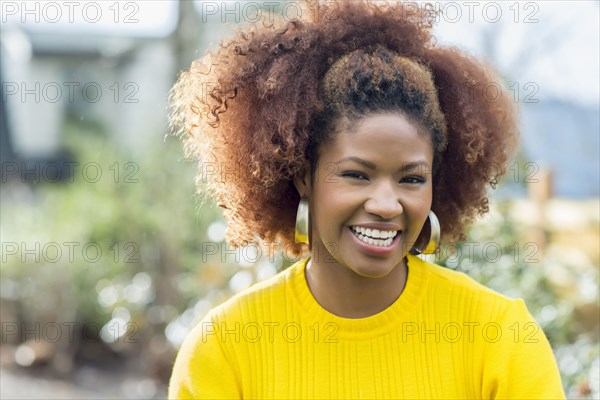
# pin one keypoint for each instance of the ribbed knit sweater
(445, 337)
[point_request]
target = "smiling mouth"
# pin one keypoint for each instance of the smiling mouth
(374, 237)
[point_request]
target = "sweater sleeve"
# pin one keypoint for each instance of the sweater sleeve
(519, 360)
(202, 369)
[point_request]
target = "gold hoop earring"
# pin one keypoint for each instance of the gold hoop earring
(302, 218)
(434, 236)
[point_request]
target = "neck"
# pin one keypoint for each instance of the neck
(346, 294)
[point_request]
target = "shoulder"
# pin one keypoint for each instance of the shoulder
(504, 325)
(456, 281)
(260, 302)
(446, 286)
(269, 294)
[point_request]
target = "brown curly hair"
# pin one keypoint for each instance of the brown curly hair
(256, 109)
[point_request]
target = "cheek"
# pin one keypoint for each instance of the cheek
(419, 207)
(332, 208)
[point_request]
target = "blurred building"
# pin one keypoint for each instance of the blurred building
(564, 137)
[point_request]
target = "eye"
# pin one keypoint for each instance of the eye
(413, 179)
(354, 175)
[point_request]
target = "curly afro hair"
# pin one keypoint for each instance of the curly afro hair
(253, 111)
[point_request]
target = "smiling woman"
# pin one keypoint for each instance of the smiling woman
(368, 213)
(368, 139)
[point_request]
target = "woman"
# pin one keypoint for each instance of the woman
(350, 138)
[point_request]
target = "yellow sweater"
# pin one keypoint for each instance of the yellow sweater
(445, 337)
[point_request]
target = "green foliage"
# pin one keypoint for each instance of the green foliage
(138, 213)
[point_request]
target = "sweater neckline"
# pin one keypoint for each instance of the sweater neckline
(398, 312)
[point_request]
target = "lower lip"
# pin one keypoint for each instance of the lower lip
(376, 250)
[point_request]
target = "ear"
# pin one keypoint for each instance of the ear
(302, 181)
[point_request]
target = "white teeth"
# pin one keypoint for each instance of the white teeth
(375, 242)
(374, 233)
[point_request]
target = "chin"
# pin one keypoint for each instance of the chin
(372, 271)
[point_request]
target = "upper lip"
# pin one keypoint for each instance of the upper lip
(379, 226)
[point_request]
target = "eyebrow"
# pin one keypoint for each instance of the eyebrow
(405, 166)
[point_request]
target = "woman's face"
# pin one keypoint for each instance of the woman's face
(371, 194)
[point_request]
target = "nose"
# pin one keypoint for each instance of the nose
(384, 201)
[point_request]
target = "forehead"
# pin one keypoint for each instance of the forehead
(379, 136)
